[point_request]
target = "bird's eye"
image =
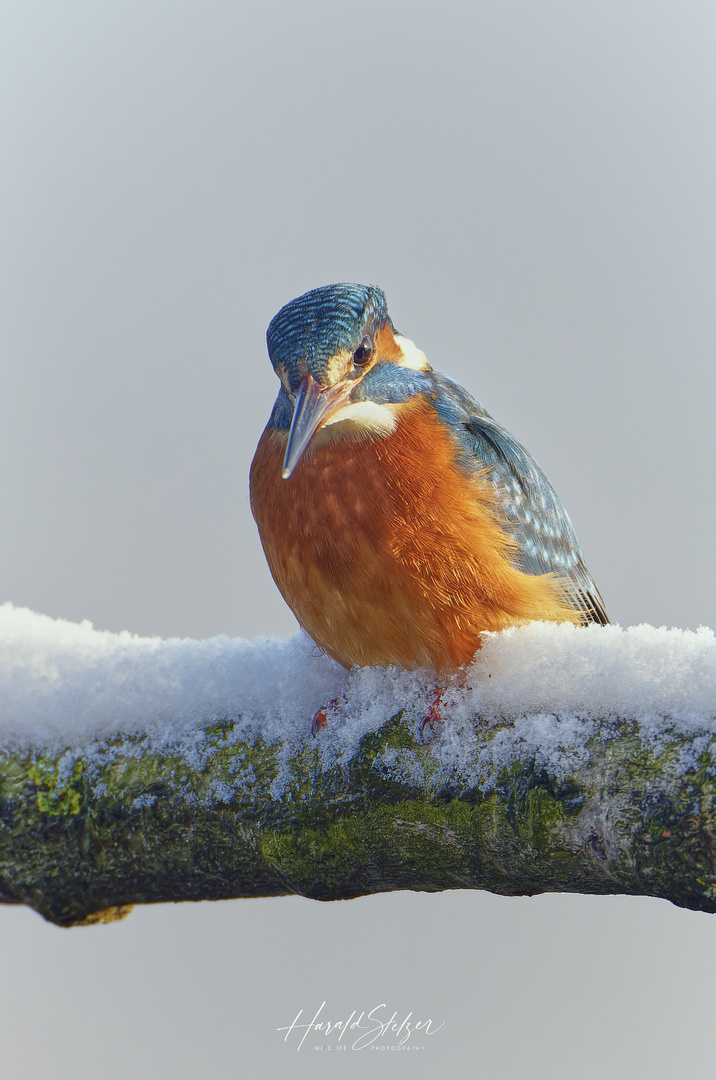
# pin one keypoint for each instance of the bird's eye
(364, 352)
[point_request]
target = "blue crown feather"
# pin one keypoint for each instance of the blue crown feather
(308, 331)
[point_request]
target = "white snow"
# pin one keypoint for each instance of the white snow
(66, 684)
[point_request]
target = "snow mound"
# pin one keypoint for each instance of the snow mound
(64, 683)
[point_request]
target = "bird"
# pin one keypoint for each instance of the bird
(399, 521)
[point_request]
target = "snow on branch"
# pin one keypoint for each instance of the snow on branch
(136, 770)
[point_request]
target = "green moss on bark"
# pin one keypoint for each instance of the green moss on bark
(222, 816)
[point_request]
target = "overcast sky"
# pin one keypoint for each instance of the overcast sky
(533, 186)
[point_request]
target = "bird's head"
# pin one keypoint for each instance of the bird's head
(340, 361)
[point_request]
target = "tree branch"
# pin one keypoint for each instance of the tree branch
(516, 806)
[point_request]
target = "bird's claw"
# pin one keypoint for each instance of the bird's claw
(321, 718)
(432, 716)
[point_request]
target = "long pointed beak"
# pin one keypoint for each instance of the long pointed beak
(313, 405)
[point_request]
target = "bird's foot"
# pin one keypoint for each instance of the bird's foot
(432, 716)
(322, 716)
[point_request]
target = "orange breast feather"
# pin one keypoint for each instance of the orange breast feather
(389, 554)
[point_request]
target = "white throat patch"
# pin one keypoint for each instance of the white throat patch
(358, 420)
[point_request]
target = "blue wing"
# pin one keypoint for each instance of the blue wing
(540, 524)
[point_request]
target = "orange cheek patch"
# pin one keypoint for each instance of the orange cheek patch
(387, 346)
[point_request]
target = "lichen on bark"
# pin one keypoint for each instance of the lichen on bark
(86, 832)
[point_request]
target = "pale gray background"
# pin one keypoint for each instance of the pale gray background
(533, 185)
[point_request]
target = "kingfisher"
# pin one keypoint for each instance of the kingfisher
(399, 520)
